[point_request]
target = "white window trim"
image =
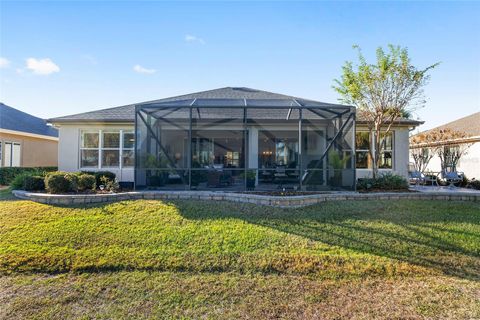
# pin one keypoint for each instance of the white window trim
(100, 148)
(4, 149)
(82, 131)
(391, 132)
(363, 150)
(119, 149)
(126, 149)
(372, 146)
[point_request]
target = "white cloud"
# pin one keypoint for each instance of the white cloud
(194, 39)
(138, 68)
(4, 62)
(42, 66)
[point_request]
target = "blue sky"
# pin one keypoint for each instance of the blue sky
(59, 58)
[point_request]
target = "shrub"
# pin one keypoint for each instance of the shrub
(7, 174)
(86, 182)
(61, 182)
(34, 183)
(475, 184)
(18, 183)
(99, 174)
(387, 181)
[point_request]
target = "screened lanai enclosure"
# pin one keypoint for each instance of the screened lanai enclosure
(245, 144)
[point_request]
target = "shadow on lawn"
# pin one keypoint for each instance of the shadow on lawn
(425, 233)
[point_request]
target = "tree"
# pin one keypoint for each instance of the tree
(452, 147)
(449, 145)
(422, 150)
(382, 92)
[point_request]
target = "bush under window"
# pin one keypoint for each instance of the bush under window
(386, 182)
(61, 182)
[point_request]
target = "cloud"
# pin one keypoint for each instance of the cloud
(42, 66)
(4, 62)
(194, 39)
(138, 68)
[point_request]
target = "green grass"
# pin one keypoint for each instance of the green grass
(184, 258)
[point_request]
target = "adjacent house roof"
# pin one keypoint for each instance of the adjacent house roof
(16, 120)
(228, 97)
(469, 125)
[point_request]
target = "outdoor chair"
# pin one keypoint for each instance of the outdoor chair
(416, 178)
(450, 177)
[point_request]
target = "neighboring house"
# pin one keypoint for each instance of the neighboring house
(229, 138)
(25, 140)
(469, 163)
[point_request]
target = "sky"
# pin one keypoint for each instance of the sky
(59, 58)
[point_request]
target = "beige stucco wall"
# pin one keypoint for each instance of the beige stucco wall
(35, 151)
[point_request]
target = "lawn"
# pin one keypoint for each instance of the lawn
(192, 259)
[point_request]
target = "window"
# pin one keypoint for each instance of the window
(89, 149)
(128, 158)
(386, 156)
(111, 149)
(107, 148)
(362, 146)
(12, 154)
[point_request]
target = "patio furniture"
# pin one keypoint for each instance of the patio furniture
(450, 177)
(280, 174)
(416, 178)
(431, 178)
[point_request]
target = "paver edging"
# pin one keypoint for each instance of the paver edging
(276, 201)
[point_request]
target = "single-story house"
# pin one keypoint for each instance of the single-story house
(25, 140)
(229, 139)
(469, 162)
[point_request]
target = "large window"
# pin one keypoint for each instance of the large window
(363, 144)
(113, 147)
(386, 156)
(128, 155)
(89, 149)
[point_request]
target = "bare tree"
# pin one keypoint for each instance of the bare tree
(449, 145)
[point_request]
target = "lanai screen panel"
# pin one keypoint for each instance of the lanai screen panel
(238, 144)
(162, 157)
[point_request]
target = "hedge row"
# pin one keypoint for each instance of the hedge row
(64, 182)
(7, 174)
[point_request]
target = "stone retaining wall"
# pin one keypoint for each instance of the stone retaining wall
(276, 201)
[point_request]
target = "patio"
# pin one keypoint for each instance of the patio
(443, 189)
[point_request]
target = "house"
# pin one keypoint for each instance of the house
(229, 139)
(469, 162)
(25, 140)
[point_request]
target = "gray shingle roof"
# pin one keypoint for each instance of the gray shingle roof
(127, 113)
(234, 95)
(469, 124)
(13, 119)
